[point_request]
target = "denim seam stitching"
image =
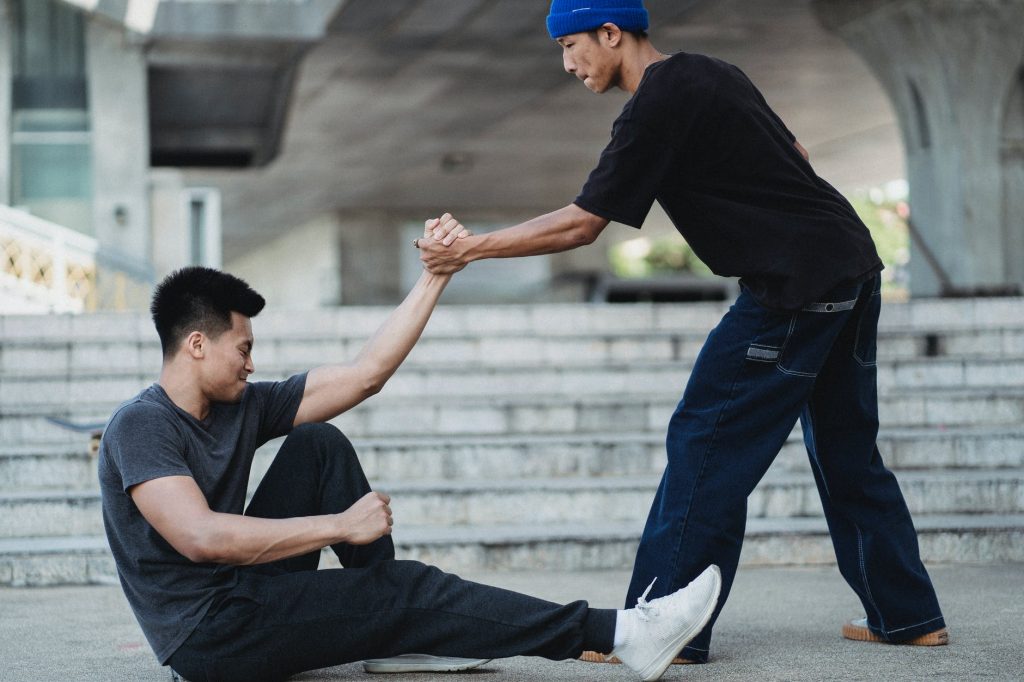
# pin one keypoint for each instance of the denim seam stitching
(856, 338)
(864, 576)
(925, 622)
(814, 450)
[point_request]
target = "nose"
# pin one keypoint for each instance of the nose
(567, 63)
(249, 366)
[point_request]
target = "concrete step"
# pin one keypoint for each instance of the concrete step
(592, 454)
(495, 501)
(943, 539)
(539, 319)
(385, 416)
(61, 394)
(84, 357)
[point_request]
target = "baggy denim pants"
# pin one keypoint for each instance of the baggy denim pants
(758, 372)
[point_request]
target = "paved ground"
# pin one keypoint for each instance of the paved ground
(780, 624)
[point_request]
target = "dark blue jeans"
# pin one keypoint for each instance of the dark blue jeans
(758, 372)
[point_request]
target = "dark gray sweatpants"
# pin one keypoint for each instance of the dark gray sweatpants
(286, 617)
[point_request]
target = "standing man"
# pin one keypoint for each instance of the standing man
(222, 595)
(799, 342)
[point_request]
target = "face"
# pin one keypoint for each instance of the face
(228, 361)
(591, 57)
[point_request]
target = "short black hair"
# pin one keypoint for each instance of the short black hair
(199, 299)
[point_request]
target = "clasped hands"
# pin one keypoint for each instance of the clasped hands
(442, 249)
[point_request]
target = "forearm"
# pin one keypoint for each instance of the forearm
(561, 230)
(395, 338)
(246, 540)
(554, 232)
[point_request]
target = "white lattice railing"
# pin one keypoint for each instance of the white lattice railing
(44, 267)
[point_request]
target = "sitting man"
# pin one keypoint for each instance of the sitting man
(222, 595)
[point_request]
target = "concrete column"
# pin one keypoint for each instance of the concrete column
(116, 71)
(169, 223)
(6, 42)
(952, 69)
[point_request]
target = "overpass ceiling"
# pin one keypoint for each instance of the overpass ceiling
(418, 106)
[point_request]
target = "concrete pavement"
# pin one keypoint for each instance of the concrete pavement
(779, 624)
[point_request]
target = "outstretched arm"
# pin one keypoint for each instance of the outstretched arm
(561, 230)
(333, 389)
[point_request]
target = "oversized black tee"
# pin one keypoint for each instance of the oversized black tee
(699, 138)
(150, 437)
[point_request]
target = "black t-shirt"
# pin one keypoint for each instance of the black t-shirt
(699, 138)
(149, 437)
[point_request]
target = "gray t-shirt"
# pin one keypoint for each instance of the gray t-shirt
(150, 437)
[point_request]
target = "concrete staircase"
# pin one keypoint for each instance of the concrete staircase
(532, 436)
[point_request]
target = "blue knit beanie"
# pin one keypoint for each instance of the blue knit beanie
(577, 16)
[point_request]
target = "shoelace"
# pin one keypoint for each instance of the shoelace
(643, 606)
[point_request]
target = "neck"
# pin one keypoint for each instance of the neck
(642, 55)
(184, 391)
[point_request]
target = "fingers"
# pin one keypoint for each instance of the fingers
(428, 227)
(447, 230)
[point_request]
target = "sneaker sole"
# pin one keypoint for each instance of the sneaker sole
(374, 667)
(863, 634)
(595, 657)
(684, 638)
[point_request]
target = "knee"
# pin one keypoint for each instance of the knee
(323, 438)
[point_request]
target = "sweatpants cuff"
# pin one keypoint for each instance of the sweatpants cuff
(599, 630)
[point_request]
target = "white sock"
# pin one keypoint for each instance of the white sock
(620, 629)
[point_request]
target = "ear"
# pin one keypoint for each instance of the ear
(195, 345)
(610, 34)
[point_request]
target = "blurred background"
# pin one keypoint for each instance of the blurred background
(301, 143)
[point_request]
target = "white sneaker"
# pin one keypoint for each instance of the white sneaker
(421, 663)
(658, 630)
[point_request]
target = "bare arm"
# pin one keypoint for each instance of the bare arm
(177, 509)
(803, 152)
(333, 389)
(561, 230)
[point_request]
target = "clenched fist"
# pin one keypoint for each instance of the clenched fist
(367, 520)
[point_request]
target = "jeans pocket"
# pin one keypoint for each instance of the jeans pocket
(865, 347)
(799, 343)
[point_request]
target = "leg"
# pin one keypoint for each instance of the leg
(747, 389)
(316, 471)
(274, 626)
(872, 532)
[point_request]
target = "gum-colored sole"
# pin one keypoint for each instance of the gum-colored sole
(860, 633)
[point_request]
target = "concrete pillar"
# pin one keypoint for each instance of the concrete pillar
(168, 223)
(6, 36)
(116, 72)
(953, 70)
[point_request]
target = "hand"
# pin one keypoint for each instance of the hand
(445, 229)
(439, 259)
(367, 520)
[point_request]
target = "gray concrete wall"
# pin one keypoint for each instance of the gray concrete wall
(6, 31)
(120, 130)
(300, 270)
(949, 67)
